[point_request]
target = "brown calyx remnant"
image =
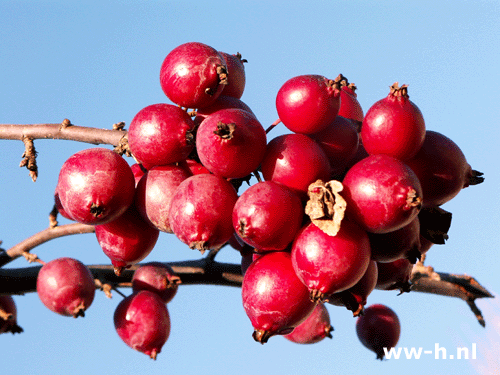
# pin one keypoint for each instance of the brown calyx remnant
(261, 335)
(79, 310)
(413, 200)
(238, 55)
(225, 131)
(344, 82)
(96, 210)
(325, 206)
(399, 92)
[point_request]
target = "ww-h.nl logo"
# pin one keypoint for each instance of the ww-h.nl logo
(439, 353)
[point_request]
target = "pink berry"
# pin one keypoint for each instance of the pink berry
(201, 211)
(142, 322)
(66, 286)
(314, 329)
(161, 134)
(95, 186)
(193, 75)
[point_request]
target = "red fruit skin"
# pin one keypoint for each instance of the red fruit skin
(382, 194)
(308, 103)
(394, 275)
(138, 172)
(296, 161)
(66, 286)
(393, 126)
(8, 306)
(441, 168)
(126, 240)
(274, 298)
(378, 328)
(189, 77)
(154, 193)
(314, 329)
(339, 141)
(330, 264)
(355, 297)
(349, 105)
(142, 321)
(161, 134)
(267, 216)
(201, 211)
(222, 102)
(194, 167)
(60, 208)
(401, 243)
(233, 151)
(236, 73)
(95, 186)
(158, 278)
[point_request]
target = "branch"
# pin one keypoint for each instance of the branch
(425, 279)
(39, 238)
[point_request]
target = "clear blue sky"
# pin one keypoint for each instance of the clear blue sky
(98, 64)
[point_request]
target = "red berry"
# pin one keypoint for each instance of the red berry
(222, 102)
(8, 315)
(158, 278)
(339, 141)
(236, 72)
(349, 104)
(442, 169)
(330, 264)
(274, 298)
(161, 134)
(394, 126)
(314, 329)
(309, 103)
(296, 161)
(193, 75)
(382, 193)
(394, 275)
(201, 211)
(66, 286)
(231, 143)
(378, 328)
(267, 216)
(95, 186)
(142, 322)
(126, 240)
(154, 193)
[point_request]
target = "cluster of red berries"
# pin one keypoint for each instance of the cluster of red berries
(339, 210)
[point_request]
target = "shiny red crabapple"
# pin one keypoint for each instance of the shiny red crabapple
(378, 328)
(382, 193)
(201, 211)
(394, 126)
(95, 186)
(193, 75)
(308, 103)
(8, 315)
(158, 278)
(66, 286)
(161, 134)
(349, 104)
(274, 298)
(236, 72)
(231, 143)
(267, 216)
(394, 275)
(330, 264)
(142, 321)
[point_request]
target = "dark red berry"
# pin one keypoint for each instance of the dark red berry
(8, 315)
(95, 186)
(274, 298)
(236, 72)
(193, 75)
(142, 322)
(394, 126)
(394, 275)
(66, 286)
(378, 328)
(267, 216)
(382, 193)
(161, 134)
(349, 104)
(158, 278)
(442, 169)
(308, 103)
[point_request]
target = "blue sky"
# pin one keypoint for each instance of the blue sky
(98, 64)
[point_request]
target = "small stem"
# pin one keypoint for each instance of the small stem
(273, 125)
